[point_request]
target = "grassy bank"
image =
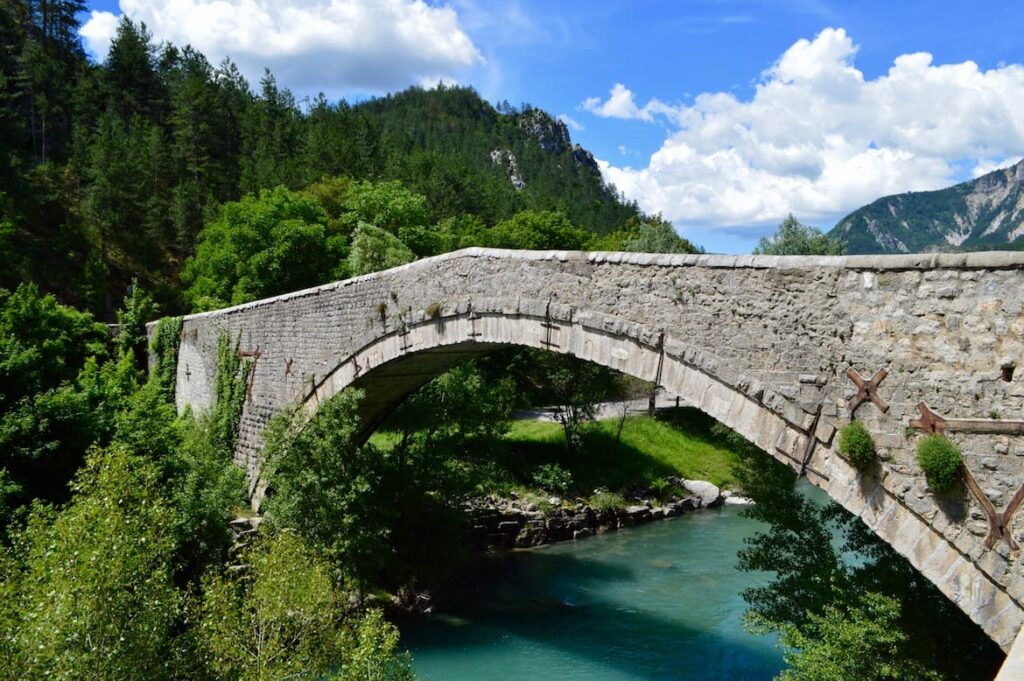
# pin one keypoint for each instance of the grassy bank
(680, 443)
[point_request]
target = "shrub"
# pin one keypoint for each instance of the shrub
(856, 445)
(940, 460)
(607, 501)
(552, 478)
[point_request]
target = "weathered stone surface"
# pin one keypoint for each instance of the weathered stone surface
(752, 341)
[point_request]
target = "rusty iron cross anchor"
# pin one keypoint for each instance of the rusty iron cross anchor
(866, 390)
(930, 422)
(998, 523)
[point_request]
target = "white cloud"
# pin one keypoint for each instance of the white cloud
(98, 32)
(332, 45)
(621, 103)
(818, 139)
(572, 123)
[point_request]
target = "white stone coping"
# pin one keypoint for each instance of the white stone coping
(917, 261)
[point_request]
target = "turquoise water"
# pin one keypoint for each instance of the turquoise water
(661, 601)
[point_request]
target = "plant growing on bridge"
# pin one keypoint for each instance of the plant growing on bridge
(940, 459)
(856, 445)
(230, 390)
(166, 339)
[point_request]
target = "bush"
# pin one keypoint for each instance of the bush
(551, 477)
(607, 501)
(856, 445)
(940, 460)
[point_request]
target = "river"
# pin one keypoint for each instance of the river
(660, 601)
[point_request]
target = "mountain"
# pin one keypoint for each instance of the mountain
(986, 213)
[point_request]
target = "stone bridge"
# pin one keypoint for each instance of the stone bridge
(780, 349)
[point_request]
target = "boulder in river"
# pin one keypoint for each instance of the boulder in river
(710, 496)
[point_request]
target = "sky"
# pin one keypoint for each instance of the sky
(724, 116)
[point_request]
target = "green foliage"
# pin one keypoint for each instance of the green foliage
(795, 238)
(537, 230)
(374, 653)
(607, 501)
(374, 249)
(656, 236)
(56, 397)
(42, 343)
(940, 460)
(263, 246)
(94, 598)
(138, 309)
(324, 485)
(230, 386)
(573, 385)
(551, 477)
(856, 445)
(110, 170)
(863, 640)
(283, 619)
(166, 339)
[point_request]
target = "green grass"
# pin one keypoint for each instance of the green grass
(650, 450)
(677, 443)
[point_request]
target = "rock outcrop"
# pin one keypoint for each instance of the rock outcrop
(550, 133)
(507, 160)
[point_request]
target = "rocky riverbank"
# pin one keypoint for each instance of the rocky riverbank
(499, 523)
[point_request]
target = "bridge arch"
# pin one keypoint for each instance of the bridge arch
(395, 364)
(762, 345)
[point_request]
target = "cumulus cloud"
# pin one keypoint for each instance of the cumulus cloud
(621, 103)
(332, 45)
(572, 123)
(818, 139)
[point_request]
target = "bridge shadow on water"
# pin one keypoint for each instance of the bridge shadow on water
(599, 614)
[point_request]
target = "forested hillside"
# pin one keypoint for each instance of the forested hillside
(109, 171)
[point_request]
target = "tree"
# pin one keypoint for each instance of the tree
(271, 140)
(537, 230)
(644, 235)
(795, 238)
(573, 385)
(286, 619)
(263, 246)
(861, 640)
(138, 309)
(42, 343)
(130, 73)
(94, 598)
(327, 487)
(374, 249)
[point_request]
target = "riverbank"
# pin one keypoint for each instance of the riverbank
(495, 523)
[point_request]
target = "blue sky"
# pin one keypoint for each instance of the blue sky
(725, 115)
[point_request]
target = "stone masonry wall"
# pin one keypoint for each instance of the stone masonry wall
(761, 343)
